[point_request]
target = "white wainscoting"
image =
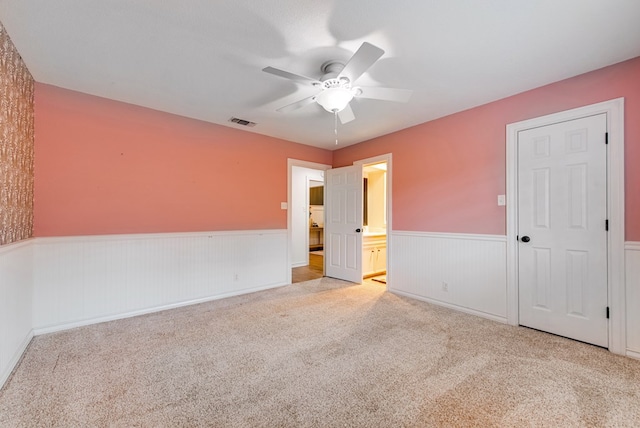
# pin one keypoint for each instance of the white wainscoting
(16, 287)
(50, 284)
(473, 267)
(632, 282)
(84, 280)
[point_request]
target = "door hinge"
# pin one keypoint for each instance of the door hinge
(606, 138)
(607, 312)
(606, 225)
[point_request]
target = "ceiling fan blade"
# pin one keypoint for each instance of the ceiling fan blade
(298, 104)
(291, 76)
(360, 62)
(346, 114)
(386, 94)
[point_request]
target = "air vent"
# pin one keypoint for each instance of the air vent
(242, 122)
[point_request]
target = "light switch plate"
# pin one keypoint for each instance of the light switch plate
(283, 205)
(502, 201)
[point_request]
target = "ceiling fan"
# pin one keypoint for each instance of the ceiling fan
(336, 88)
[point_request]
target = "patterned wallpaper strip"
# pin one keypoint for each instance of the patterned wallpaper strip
(16, 144)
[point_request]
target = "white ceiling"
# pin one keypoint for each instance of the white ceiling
(203, 58)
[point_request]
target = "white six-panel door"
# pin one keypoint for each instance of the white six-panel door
(343, 223)
(562, 208)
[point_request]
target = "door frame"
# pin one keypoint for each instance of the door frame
(614, 109)
(290, 164)
(308, 197)
(387, 157)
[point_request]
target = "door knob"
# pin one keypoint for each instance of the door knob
(358, 230)
(525, 239)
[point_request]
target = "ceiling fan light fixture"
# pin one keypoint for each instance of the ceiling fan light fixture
(334, 100)
(335, 86)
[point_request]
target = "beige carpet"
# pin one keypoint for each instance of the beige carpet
(317, 354)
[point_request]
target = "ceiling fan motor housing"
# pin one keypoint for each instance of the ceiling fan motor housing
(331, 69)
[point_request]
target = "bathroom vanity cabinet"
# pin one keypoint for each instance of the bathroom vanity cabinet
(374, 254)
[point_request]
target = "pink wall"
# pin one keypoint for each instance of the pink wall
(105, 167)
(447, 173)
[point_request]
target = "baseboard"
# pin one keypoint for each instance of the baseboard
(13, 363)
(633, 354)
(450, 306)
(98, 320)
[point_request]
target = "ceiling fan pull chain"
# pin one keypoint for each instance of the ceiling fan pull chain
(335, 124)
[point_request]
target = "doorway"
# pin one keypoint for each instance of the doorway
(314, 239)
(374, 239)
(357, 245)
(306, 180)
(569, 304)
(298, 221)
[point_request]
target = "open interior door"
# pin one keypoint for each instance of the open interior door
(343, 223)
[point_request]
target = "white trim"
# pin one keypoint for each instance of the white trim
(470, 236)
(632, 245)
(149, 236)
(632, 354)
(614, 109)
(290, 164)
(12, 246)
(388, 158)
(452, 306)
